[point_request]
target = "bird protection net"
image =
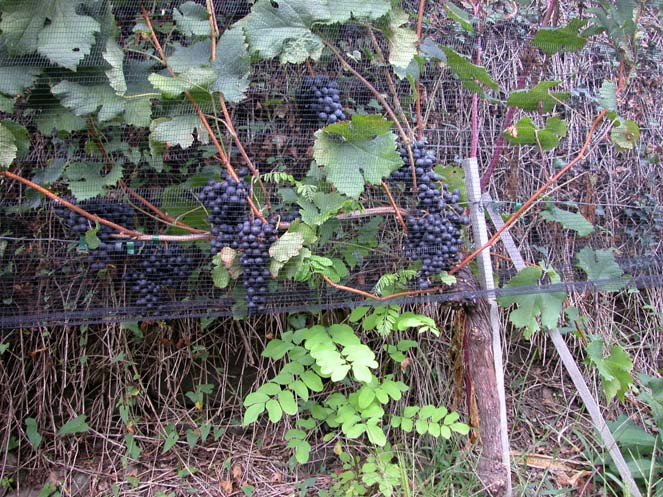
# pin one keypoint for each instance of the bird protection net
(205, 158)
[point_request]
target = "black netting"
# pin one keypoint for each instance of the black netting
(136, 154)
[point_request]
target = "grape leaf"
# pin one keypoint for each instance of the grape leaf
(530, 306)
(354, 161)
(471, 76)
(85, 100)
(192, 19)
(600, 265)
(625, 134)
(286, 247)
(178, 130)
(67, 37)
(86, 180)
(193, 78)
(569, 220)
(461, 17)
(76, 425)
(60, 119)
(14, 79)
(615, 369)
(402, 43)
(565, 39)
(608, 93)
(539, 97)
(8, 148)
(524, 132)
(364, 10)
(115, 57)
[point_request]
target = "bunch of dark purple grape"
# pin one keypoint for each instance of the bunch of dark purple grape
(424, 161)
(435, 225)
(160, 266)
(320, 100)
(254, 239)
(109, 248)
(226, 204)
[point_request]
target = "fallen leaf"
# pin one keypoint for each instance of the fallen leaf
(226, 486)
(236, 472)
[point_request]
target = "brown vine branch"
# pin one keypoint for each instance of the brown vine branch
(383, 102)
(397, 211)
(368, 295)
(233, 132)
(92, 217)
(420, 22)
(201, 115)
(214, 27)
(516, 215)
(166, 238)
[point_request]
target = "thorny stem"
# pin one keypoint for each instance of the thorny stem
(385, 104)
(242, 150)
(92, 217)
(201, 115)
(397, 211)
(516, 215)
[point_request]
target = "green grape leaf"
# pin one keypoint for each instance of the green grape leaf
(31, 430)
(625, 134)
(350, 164)
(194, 78)
(15, 79)
(538, 97)
(600, 265)
(565, 39)
(342, 12)
(85, 100)
(474, 78)
(232, 66)
(6, 104)
(178, 130)
(286, 247)
(569, 220)
(8, 148)
(59, 119)
(319, 207)
(76, 425)
(91, 238)
(615, 369)
(192, 19)
(220, 275)
(86, 180)
(360, 128)
(530, 306)
(115, 57)
(461, 17)
(608, 95)
(524, 132)
(68, 37)
(285, 30)
(402, 43)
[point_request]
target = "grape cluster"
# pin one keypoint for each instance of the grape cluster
(424, 161)
(320, 99)
(118, 213)
(254, 239)
(226, 204)
(435, 225)
(158, 267)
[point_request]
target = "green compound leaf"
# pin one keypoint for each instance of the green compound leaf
(532, 306)
(192, 19)
(402, 44)
(355, 160)
(276, 349)
(615, 369)
(376, 434)
(31, 430)
(287, 401)
(76, 425)
(600, 265)
(86, 180)
(538, 97)
(569, 220)
(524, 132)
(474, 78)
(8, 148)
(564, 39)
(312, 381)
(274, 410)
(625, 135)
(252, 413)
(422, 323)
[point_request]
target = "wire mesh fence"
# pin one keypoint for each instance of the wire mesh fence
(133, 151)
